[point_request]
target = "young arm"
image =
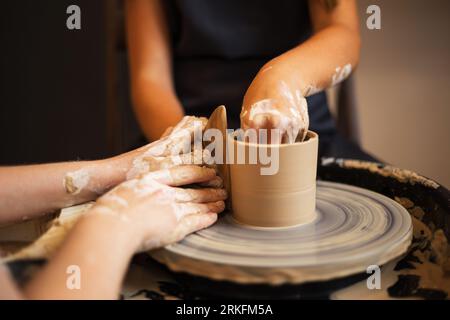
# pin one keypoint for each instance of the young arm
(154, 99)
(30, 191)
(325, 59)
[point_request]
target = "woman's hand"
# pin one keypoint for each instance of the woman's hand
(274, 100)
(178, 145)
(156, 211)
(175, 147)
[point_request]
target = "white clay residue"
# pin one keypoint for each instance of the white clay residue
(265, 106)
(104, 210)
(298, 108)
(303, 109)
(160, 175)
(146, 186)
(341, 73)
(291, 117)
(180, 211)
(139, 166)
(260, 111)
(170, 150)
(311, 89)
(75, 181)
(117, 199)
(288, 113)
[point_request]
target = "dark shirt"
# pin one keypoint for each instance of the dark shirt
(219, 46)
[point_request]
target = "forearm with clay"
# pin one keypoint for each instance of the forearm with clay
(30, 191)
(276, 97)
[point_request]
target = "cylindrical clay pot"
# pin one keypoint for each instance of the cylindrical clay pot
(283, 199)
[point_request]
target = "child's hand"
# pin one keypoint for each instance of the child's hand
(175, 147)
(156, 211)
(274, 101)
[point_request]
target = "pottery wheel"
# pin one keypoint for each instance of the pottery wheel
(354, 228)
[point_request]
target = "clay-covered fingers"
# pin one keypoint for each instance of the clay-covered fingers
(192, 223)
(157, 163)
(216, 182)
(183, 133)
(189, 123)
(177, 139)
(265, 121)
(113, 200)
(189, 208)
(182, 175)
(200, 195)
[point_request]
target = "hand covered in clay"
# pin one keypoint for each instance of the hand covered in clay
(275, 101)
(177, 146)
(157, 211)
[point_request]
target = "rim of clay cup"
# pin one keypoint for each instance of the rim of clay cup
(311, 134)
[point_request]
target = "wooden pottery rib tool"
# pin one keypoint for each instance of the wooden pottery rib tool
(218, 120)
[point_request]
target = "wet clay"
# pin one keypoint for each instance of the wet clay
(283, 199)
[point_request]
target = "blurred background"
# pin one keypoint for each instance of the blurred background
(402, 86)
(65, 96)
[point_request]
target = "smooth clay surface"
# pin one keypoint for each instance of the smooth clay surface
(284, 199)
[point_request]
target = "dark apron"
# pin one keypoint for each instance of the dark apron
(219, 45)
